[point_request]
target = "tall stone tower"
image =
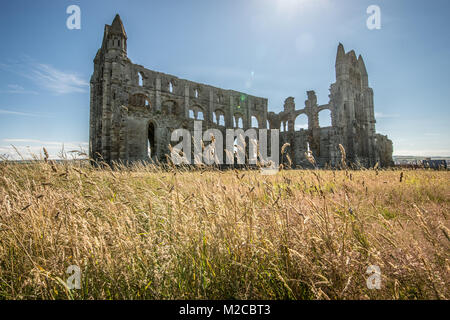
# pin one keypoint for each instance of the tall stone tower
(106, 93)
(352, 106)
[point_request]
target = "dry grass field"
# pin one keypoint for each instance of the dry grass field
(148, 233)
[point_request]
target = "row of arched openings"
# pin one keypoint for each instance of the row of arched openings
(301, 122)
(170, 86)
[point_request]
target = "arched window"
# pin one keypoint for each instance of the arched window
(219, 117)
(197, 112)
(301, 122)
(325, 118)
(255, 122)
(141, 79)
(139, 100)
(196, 93)
(238, 121)
(221, 120)
(170, 87)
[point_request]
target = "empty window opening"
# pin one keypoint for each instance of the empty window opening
(219, 118)
(196, 93)
(236, 147)
(325, 118)
(200, 115)
(255, 122)
(191, 114)
(301, 122)
(151, 140)
(170, 87)
(141, 79)
(239, 123)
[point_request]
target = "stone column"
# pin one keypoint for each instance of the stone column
(264, 119)
(186, 101)
(249, 113)
(158, 94)
(106, 113)
(123, 136)
(92, 128)
(230, 123)
(211, 107)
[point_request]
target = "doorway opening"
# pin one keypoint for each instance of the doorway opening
(151, 146)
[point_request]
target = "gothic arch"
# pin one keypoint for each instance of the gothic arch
(170, 106)
(219, 117)
(139, 100)
(301, 122)
(197, 112)
(238, 120)
(324, 118)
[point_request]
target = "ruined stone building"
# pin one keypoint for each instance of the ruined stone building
(133, 111)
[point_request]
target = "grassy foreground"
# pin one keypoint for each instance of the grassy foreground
(144, 233)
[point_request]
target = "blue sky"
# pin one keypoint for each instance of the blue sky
(269, 48)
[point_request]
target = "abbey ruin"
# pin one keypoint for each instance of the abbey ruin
(133, 111)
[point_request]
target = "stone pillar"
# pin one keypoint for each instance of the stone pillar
(123, 136)
(230, 123)
(211, 107)
(158, 94)
(249, 113)
(264, 119)
(186, 101)
(106, 113)
(92, 128)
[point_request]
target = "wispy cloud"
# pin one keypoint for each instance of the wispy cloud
(380, 115)
(423, 152)
(58, 81)
(47, 77)
(432, 134)
(44, 143)
(17, 113)
(16, 149)
(15, 88)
